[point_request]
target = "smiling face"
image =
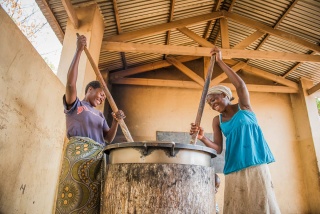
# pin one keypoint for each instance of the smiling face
(95, 96)
(218, 102)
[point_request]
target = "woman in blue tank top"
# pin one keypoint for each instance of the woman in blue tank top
(248, 185)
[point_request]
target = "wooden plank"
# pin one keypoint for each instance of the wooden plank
(265, 88)
(313, 89)
(224, 32)
(172, 3)
(193, 85)
(47, 12)
(187, 71)
(71, 13)
(149, 67)
(195, 37)
(265, 28)
(164, 27)
(206, 64)
(119, 30)
(278, 23)
(247, 41)
(116, 16)
(157, 82)
(237, 67)
(270, 76)
(204, 51)
(295, 66)
(209, 24)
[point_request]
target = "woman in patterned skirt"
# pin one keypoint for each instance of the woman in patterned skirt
(87, 130)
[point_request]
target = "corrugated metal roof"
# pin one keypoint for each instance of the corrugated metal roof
(303, 20)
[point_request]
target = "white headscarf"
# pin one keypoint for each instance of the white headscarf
(218, 89)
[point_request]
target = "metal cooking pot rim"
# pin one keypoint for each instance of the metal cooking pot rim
(166, 144)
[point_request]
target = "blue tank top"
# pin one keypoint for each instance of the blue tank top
(245, 143)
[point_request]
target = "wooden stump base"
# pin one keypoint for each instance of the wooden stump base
(158, 188)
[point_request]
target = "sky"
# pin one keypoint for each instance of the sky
(45, 40)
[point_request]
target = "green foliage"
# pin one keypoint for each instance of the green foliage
(318, 104)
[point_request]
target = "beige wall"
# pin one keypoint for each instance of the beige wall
(32, 125)
(151, 109)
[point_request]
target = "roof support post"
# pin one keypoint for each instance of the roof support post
(92, 26)
(307, 123)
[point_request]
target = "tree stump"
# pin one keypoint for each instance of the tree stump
(158, 188)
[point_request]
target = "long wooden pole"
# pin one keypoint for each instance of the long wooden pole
(203, 98)
(110, 99)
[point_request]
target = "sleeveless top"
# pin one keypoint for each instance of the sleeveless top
(245, 143)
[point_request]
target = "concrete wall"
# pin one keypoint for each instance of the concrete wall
(32, 125)
(151, 109)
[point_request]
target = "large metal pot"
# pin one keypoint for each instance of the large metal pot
(158, 177)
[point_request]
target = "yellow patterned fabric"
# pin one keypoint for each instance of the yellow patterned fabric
(80, 179)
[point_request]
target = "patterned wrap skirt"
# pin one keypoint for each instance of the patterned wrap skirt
(81, 177)
(250, 191)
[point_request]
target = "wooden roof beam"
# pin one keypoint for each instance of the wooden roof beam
(247, 41)
(224, 33)
(295, 67)
(313, 89)
(149, 67)
(164, 27)
(205, 51)
(119, 30)
(47, 12)
(265, 28)
(193, 85)
(187, 71)
(267, 75)
(171, 13)
(209, 24)
(237, 67)
(71, 13)
(195, 37)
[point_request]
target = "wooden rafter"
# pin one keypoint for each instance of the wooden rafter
(195, 37)
(313, 89)
(237, 67)
(278, 23)
(249, 40)
(119, 30)
(267, 75)
(251, 69)
(204, 51)
(194, 85)
(209, 24)
(169, 20)
(171, 13)
(206, 64)
(149, 67)
(295, 66)
(47, 12)
(264, 74)
(187, 71)
(164, 27)
(71, 13)
(224, 32)
(231, 5)
(275, 32)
